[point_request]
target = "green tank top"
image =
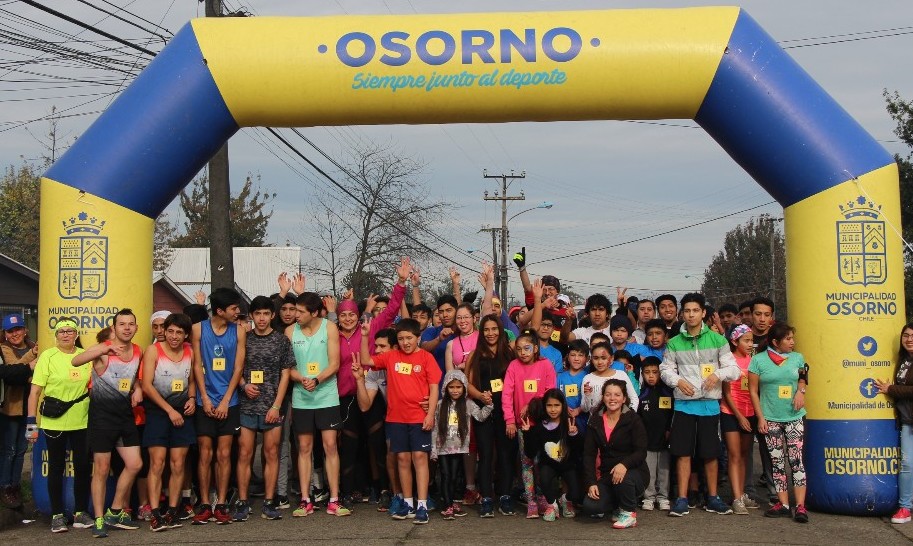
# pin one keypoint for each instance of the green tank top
(311, 358)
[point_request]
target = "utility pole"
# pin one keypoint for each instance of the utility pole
(504, 198)
(222, 265)
(494, 258)
(773, 255)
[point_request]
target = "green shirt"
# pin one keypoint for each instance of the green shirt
(778, 385)
(311, 358)
(60, 379)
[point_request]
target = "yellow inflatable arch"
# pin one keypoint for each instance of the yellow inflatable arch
(838, 186)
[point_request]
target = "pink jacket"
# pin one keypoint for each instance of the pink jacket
(345, 381)
(522, 383)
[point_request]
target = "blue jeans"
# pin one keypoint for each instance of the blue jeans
(12, 449)
(905, 478)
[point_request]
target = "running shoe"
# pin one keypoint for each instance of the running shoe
(145, 513)
(384, 501)
(471, 497)
(221, 515)
(204, 516)
(81, 520)
(506, 505)
(269, 510)
(777, 511)
(902, 515)
(716, 505)
(447, 513)
(336, 509)
(241, 511)
(100, 529)
(305, 508)
(566, 507)
(801, 515)
(551, 513)
(487, 510)
(626, 520)
(680, 508)
(421, 516)
(157, 523)
(121, 520)
(59, 524)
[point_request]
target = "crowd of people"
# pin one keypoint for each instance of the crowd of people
(456, 409)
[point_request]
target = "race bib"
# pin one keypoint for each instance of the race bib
(177, 385)
(497, 385)
(256, 377)
(123, 385)
(404, 368)
(531, 385)
(75, 375)
(744, 382)
(218, 364)
(786, 391)
(665, 402)
(313, 368)
(452, 418)
(571, 390)
(706, 370)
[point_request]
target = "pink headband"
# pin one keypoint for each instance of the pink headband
(347, 305)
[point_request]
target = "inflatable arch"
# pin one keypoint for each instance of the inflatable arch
(717, 66)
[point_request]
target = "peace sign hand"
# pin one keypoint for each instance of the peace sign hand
(571, 427)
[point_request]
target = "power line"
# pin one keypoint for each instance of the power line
(654, 235)
(87, 26)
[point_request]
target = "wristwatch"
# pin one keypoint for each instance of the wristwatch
(802, 390)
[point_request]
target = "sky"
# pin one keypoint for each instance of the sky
(610, 182)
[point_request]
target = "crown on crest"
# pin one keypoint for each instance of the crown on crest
(83, 223)
(860, 207)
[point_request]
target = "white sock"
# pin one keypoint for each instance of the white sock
(422, 504)
(409, 501)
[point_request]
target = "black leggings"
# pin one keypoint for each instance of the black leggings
(611, 496)
(491, 438)
(548, 482)
(377, 438)
(57, 442)
(348, 443)
(449, 466)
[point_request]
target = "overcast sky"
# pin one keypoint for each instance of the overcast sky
(610, 181)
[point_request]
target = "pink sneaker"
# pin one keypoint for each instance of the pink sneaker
(901, 516)
(532, 511)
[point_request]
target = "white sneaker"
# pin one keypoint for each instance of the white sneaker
(647, 504)
(663, 504)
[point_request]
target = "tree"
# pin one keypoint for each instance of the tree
(902, 113)
(332, 237)
(162, 243)
(249, 213)
(19, 214)
(742, 270)
(385, 214)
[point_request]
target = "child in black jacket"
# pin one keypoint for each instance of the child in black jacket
(655, 409)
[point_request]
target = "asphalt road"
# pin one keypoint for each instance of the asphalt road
(367, 526)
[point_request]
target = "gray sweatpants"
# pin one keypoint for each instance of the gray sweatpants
(658, 463)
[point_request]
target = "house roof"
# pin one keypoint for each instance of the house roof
(256, 269)
(18, 267)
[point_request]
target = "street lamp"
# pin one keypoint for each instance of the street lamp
(506, 237)
(542, 205)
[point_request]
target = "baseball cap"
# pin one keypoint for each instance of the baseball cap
(563, 298)
(13, 320)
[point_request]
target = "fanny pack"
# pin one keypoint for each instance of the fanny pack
(55, 407)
